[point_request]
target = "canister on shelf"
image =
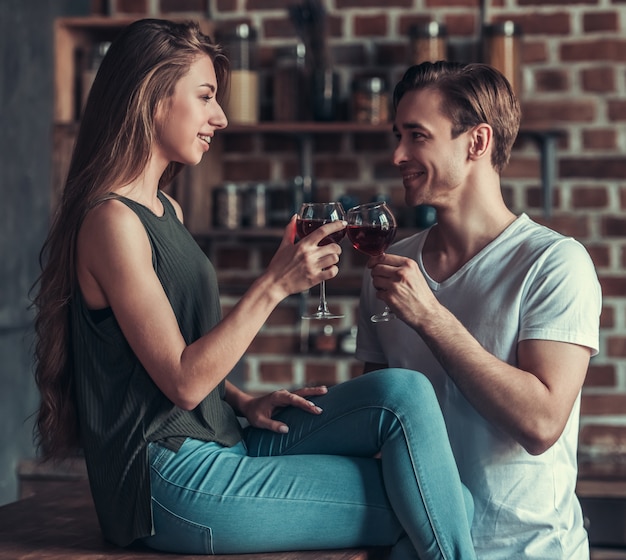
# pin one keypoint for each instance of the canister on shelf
(428, 42)
(370, 100)
(290, 88)
(227, 206)
(255, 212)
(242, 104)
(501, 49)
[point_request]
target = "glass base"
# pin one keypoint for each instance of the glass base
(386, 316)
(323, 315)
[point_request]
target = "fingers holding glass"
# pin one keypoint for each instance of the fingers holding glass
(313, 215)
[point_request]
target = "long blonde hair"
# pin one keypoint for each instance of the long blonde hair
(112, 148)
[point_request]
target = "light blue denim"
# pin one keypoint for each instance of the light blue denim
(319, 486)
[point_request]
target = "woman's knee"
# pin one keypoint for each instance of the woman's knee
(400, 384)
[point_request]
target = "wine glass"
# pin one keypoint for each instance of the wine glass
(371, 229)
(311, 216)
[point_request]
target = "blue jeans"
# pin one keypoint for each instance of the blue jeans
(319, 486)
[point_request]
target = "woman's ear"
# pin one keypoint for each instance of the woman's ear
(481, 140)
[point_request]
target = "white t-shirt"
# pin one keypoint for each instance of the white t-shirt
(529, 283)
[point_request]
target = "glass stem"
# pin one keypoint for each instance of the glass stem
(323, 306)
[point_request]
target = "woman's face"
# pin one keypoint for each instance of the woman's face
(187, 121)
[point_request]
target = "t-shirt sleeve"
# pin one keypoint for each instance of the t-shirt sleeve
(562, 297)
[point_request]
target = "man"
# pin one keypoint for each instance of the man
(500, 313)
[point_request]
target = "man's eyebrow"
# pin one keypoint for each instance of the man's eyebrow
(409, 126)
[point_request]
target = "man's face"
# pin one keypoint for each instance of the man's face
(432, 163)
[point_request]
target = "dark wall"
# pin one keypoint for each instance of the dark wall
(26, 101)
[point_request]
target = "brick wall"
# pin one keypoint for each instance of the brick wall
(573, 79)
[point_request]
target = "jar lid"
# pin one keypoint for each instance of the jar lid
(374, 84)
(429, 29)
(507, 28)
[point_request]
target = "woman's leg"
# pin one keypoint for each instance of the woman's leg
(394, 412)
(207, 499)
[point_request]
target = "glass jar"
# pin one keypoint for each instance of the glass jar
(242, 101)
(428, 42)
(289, 100)
(501, 49)
(370, 101)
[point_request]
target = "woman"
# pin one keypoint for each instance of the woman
(133, 353)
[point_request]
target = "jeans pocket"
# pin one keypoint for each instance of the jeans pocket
(178, 535)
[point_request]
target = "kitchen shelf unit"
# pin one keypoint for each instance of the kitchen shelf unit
(74, 37)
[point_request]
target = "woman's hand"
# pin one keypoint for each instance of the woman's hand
(260, 410)
(296, 267)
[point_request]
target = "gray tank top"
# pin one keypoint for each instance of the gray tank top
(120, 408)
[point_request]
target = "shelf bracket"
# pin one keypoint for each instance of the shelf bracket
(547, 142)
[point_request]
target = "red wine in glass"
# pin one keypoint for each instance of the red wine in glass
(313, 215)
(304, 227)
(371, 229)
(372, 240)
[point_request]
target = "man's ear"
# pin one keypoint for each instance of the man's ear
(480, 141)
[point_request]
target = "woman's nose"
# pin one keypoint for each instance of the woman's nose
(218, 118)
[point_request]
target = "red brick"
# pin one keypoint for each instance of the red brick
(600, 139)
(613, 226)
(552, 80)
(551, 23)
(171, 6)
(226, 5)
(622, 198)
(267, 4)
(522, 167)
(601, 376)
(461, 25)
(598, 405)
(593, 168)
(600, 255)
(599, 49)
(589, 197)
(320, 373)
(283, 315)
(616, 345)
(600, 21)
(568, 224)
(562, 110)
(275, 344)
(276, 372)
(599, 80)
(534, 197)
(613, 286)
(534, 51)
(607, 317)
(617, 110)
(371, 26)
